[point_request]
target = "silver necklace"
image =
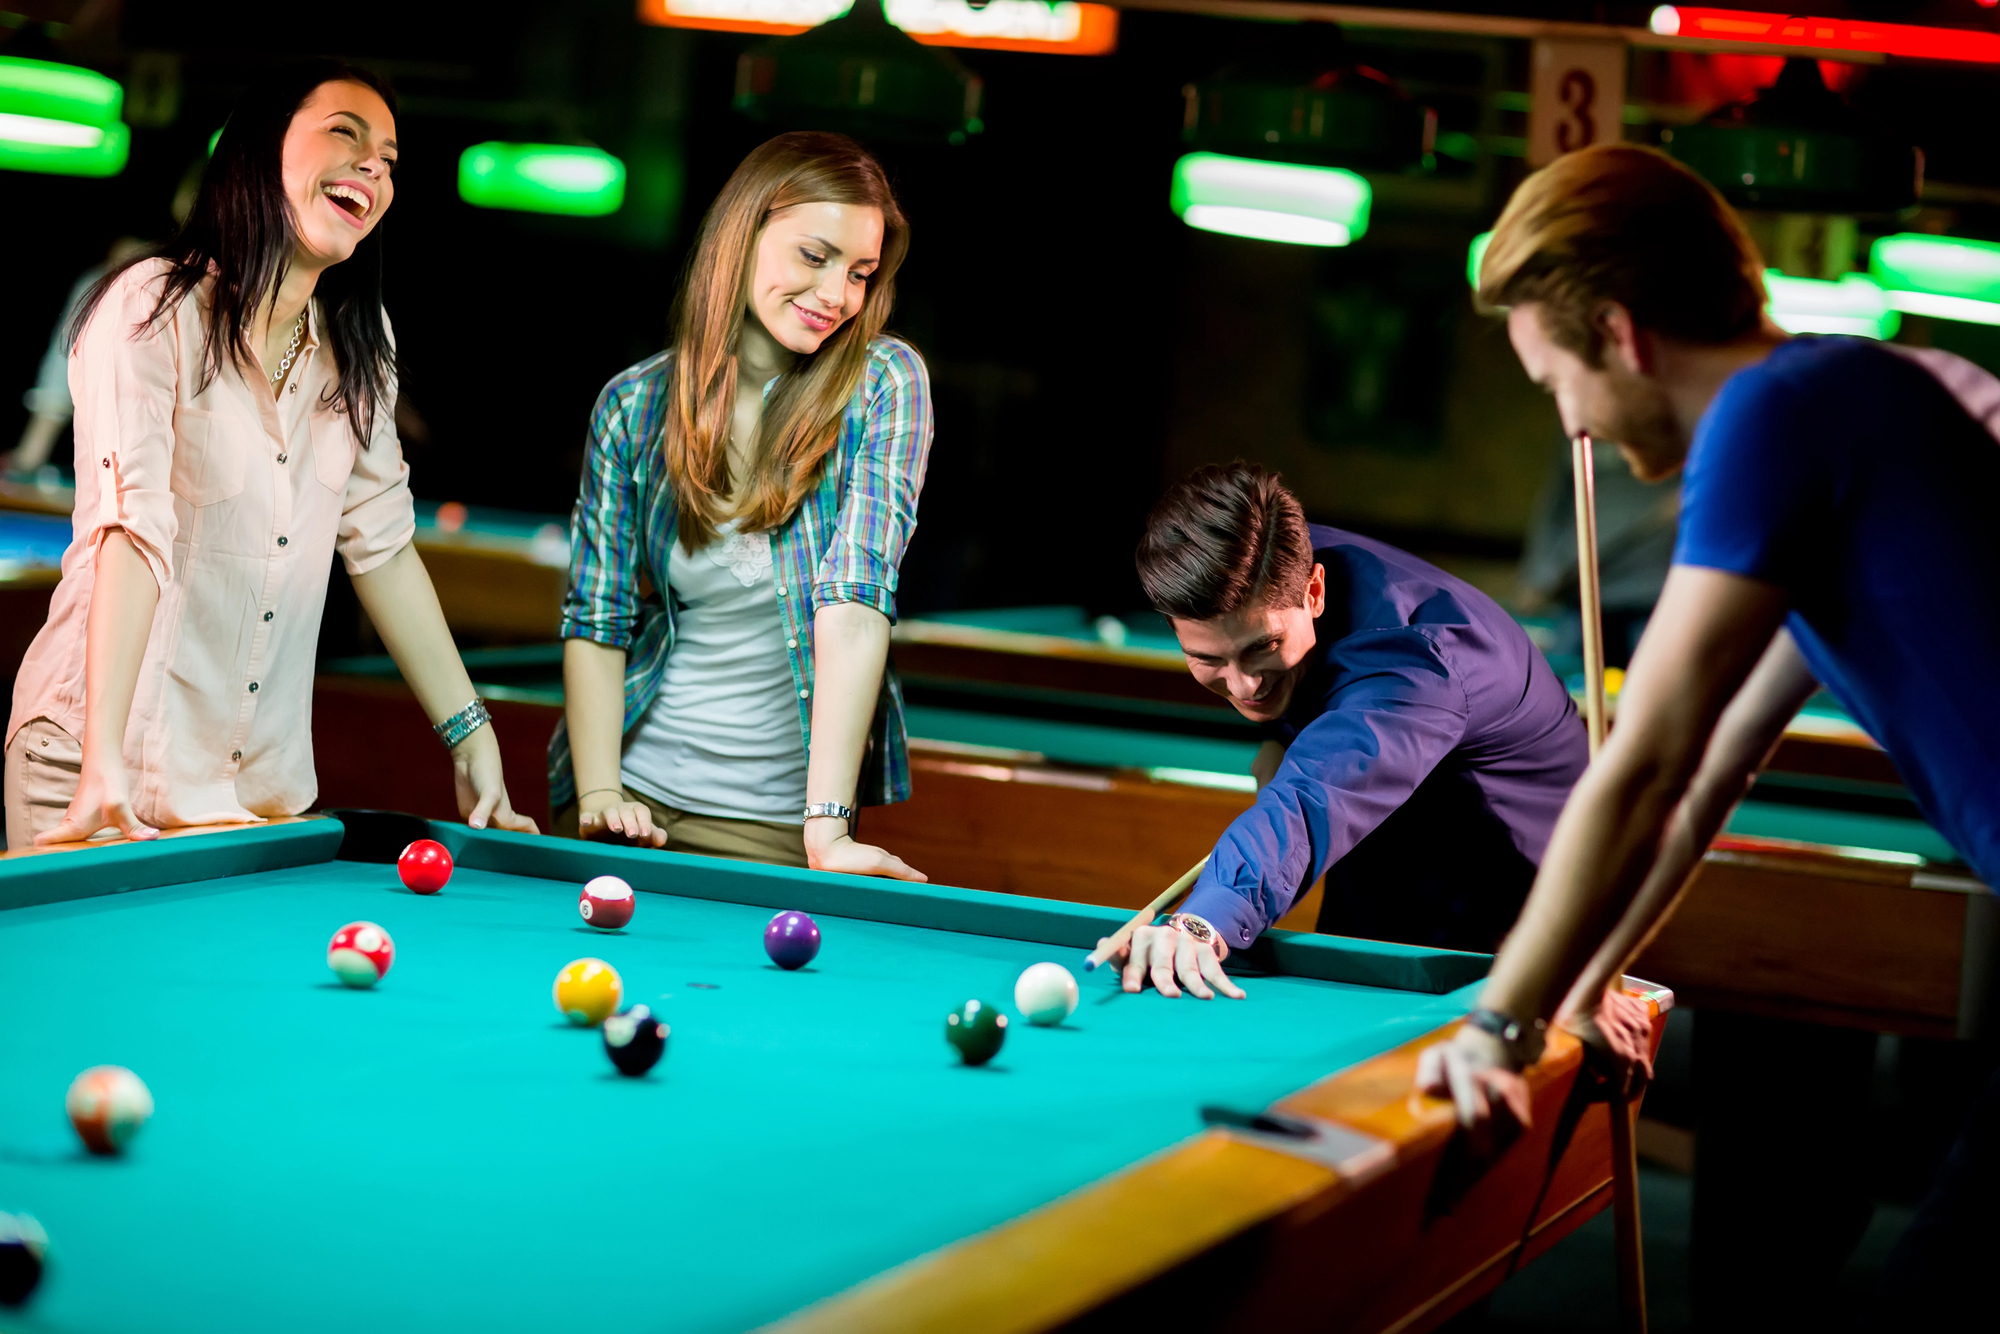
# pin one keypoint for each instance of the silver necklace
(291, 353)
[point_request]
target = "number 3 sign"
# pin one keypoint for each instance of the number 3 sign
(1577, 99)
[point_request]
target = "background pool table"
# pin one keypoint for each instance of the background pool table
(444, 1151)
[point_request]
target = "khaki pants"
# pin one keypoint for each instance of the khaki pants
(768, 841)
(43, 766)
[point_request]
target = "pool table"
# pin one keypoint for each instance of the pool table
(445, 1151)
(1822, 902)
(31, 551)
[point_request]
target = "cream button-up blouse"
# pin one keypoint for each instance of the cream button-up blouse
(237, 501)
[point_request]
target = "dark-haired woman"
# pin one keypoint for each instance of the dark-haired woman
(762, 474)
(234, 427)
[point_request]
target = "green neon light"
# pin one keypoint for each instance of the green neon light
(542, 178)
(1474, 254)
(1941, 276)
(48, 91)
(1855, 305)
(62, 147)
(1270, 201)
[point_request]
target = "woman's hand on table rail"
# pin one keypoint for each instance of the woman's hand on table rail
(103, 800)
(608, 817)
(1471, 1068)
(481, 787)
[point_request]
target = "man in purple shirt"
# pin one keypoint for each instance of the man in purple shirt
(1418, 747)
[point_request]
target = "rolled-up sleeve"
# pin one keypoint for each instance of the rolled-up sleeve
(378, 516)
(602, 602)
(124, 378)
(878, 515)
(1396, 716)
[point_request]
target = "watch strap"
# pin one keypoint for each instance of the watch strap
(829, 810)
(1524, 1042)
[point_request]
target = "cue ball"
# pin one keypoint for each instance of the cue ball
(360, 954)
(976, 1029)
(425, 865)
(588, 992)
(635, 1040)
(1045, 994)
(107, 1104)
(792, 939)
(23, 1243)
(606, 902)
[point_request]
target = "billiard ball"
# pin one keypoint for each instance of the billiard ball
(588, 991)
(1045, 994)
(606, 902)
(23, 1244)
(107, 1104)
(424, 866)
(635, 1040)
(360, 954)
(792, 939)
(976, 1029)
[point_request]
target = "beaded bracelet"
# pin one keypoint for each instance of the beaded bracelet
(463, 723)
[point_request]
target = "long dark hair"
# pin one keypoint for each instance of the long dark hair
(242, 226)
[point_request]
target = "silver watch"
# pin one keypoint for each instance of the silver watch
(832, 809)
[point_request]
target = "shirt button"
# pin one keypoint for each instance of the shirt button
(295, 386)
(268, 615)
(235, 754)
(804, 693)
(791, 643)
(283, 457)
(281, 541)
(253, 687)
(107, 463)
(781, 590)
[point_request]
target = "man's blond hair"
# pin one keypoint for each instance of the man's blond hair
(1625, 224)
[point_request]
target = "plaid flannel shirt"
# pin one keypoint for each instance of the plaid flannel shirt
(845, 544)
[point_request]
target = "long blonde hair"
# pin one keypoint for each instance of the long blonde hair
(802, 419)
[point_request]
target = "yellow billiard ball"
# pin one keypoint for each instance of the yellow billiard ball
(588, 991)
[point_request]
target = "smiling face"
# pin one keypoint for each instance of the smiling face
(339, 153)
(810, 271)
(1616, 402)
(1255, 656)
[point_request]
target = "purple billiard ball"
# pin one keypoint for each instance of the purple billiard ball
(792, 939)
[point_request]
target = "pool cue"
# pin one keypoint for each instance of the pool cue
(1627, 1236)
(1096, 957)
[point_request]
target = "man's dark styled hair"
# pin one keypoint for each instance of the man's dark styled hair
(1224, 537)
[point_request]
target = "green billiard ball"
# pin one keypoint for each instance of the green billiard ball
(976, 1029)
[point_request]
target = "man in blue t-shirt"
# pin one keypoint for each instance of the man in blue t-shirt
(1837, 528)
(1418, 747)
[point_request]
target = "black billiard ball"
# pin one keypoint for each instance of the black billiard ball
(976, 1029)
(22, 1246)
(635, 1040)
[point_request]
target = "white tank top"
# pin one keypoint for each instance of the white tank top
(722, 737)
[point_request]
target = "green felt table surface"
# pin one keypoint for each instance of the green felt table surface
(445, 1152)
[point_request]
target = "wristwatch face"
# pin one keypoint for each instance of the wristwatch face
(1194, 927)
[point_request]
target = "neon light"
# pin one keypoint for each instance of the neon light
(1060, 26)
(1854, 305)
(49, 91)
(1889, 39)
(1474, 254)
(1937, 265)
(542, 178)
(62, 147)
(1270, 201)
(1945, 277)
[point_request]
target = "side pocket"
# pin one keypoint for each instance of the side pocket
(334, 448)
(208, 466)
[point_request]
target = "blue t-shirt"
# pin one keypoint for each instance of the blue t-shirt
(1429, 749)
(1847, 475)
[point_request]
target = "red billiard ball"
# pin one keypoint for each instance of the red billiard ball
(360, 954)
(606, 902)
(424, 866)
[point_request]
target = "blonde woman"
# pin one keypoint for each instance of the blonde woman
(747, 498)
